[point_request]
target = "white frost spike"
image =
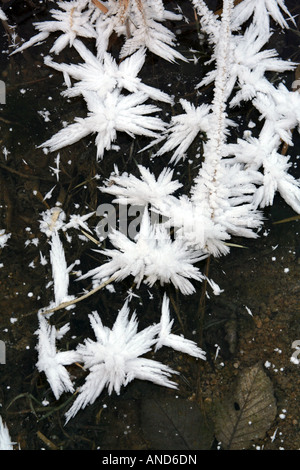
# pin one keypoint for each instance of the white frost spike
(52, 220)
(48, 195)
(113, 359)
(261, 11)
(148, 189)
(166, 338)
(147, 31)
(104, 75)
(209, 22)
(37, 39)
(184, 128)
(127, 77)
(56, 170)
(152, 256)
(5, 440)
(3, 17)
(215, 287)
(3, 238)
(78, 222)
(59, 269)
(52, 362)
(71, 20)
(248, 310)
(62, 331)
(107, 116)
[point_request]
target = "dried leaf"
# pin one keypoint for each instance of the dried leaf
(248, 413)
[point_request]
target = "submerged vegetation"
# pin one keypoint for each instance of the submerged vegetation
(142, 185)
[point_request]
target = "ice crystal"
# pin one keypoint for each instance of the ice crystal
(78, 222)
(166, 338)
(148, 190)
(152, 256)
(107, 116)
(73, 19)
(3, 16)
(149, 32)
(5, 440)
(245, 57)
(140, 23)
(113, 360)
(104, 75)
(4, 237)
(60, 271)
(261, 11)
(184, 128)
(52, 362)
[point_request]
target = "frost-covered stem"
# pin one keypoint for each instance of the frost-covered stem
(216, 134)
(202, 304)
(209, 22)
(79, 299)
(214, 149)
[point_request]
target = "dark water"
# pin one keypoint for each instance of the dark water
(264, 276)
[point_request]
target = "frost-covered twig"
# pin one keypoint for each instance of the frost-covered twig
(46, 311)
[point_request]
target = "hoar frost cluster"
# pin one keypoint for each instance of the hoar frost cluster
(234, 182)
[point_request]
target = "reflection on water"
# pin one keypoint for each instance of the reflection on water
(264, 276)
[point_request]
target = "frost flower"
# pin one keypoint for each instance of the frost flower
(114, 358)
(52, 220)
(104, 75)
(144, 191)
(152, 256)
(166, 338)
(72, 20)
(140, 23)
(107, 116)
(52, 362)
(261, 11)
(184, 128)
(78, 222)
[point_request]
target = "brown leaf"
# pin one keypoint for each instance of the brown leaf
(247, 414)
